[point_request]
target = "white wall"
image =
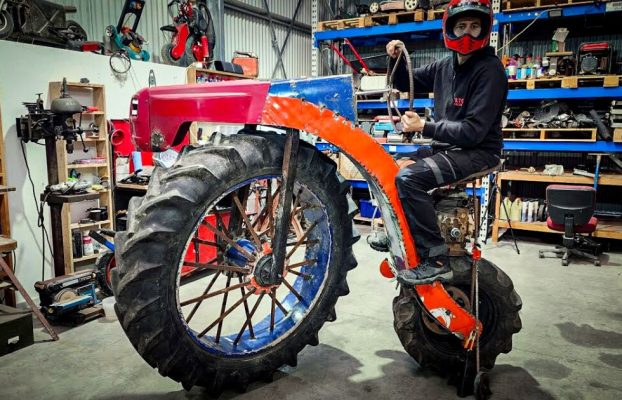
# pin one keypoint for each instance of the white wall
(26, 70)
(242, 32)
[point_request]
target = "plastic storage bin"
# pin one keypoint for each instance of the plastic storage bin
(367, 209)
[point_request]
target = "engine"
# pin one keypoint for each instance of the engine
(452, 213)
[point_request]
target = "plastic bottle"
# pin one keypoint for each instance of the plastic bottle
(87, 245)
(537, 66)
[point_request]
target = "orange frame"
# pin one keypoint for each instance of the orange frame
(380, 170)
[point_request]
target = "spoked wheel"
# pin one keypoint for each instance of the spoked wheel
(433, 347)
(240, 317)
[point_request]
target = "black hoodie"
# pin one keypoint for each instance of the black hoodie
(468, 99)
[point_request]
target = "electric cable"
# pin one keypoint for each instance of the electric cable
(527, 27)
(40, 216)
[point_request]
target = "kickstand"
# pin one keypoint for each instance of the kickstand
(477, 383)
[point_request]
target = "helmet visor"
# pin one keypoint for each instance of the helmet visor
(458, 13)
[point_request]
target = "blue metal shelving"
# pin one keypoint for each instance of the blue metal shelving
(510, 145)
(429, 27)
(574, 10)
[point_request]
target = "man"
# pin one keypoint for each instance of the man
(470, 89)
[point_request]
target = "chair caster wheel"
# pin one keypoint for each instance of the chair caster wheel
(565, 263)
(481, 386)
(541, 254)
(597, 263)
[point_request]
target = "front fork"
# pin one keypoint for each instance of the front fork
(283, 211)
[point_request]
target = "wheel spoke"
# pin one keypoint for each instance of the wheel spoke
(302, 264)
(302, 239)
(255, 307)
(218, 267)
(294, 291)
(216, 293)
(205, 242)
(222, 311)
(224, 315)
(196, 306)
(306, 277)
(246, 221)
(248, 317)
(226, 238)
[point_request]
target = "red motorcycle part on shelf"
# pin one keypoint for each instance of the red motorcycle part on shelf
(179, 41)
(201, 51)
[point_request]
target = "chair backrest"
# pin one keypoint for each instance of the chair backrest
(567, 200)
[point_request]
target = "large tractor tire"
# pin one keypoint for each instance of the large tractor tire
(434, 348)
(196, 330)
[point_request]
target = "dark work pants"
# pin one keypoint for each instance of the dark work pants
(428, 172)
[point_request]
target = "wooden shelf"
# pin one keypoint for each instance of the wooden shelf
(92, 95)
(84, 85)
(603, 179)
(86, 258)
(83, 166)
(607, 229)
(80, 226)
(131, 186)
(7, 244)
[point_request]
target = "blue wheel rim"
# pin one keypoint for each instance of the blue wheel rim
(307, 283)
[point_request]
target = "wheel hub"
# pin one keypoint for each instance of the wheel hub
(236, 257)
(266, 274)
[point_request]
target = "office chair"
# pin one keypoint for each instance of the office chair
(571, 210)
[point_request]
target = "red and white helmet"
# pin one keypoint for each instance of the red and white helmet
(467, 44)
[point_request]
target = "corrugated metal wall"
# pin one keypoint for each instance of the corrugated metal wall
(242, 32)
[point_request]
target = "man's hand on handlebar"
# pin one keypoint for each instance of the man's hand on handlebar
(392, 48)
(412, 122)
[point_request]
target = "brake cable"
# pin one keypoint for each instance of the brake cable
(411, 86)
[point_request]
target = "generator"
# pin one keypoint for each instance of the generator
(594, 58)
(66, 295)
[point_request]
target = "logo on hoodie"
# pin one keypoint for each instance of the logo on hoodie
(458, 101)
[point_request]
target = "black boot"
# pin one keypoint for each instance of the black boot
(378, 241)
(429, 270)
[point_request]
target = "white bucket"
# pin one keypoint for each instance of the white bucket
(108, 304)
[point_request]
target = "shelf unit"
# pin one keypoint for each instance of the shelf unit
(375, 35)
(605, 229)
(73, 208)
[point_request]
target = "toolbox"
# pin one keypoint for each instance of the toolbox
(15, 329)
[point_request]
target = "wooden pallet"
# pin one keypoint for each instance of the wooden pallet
(394, 18)
(341, 24)
(435, 14)
(530, 84)
(591, 80)
(514, 5)
(567, 82)
(550, 135)
(365, 220)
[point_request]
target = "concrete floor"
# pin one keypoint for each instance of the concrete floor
(570, 346)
